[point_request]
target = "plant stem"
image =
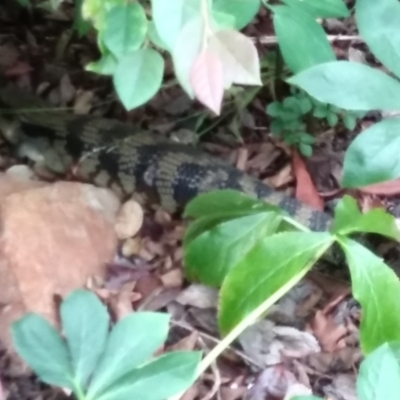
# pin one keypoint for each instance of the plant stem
(254, 316)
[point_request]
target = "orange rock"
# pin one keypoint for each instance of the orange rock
(53, 239)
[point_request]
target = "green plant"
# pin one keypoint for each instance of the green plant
(379, 376)
(202, 38)
(289, 118)
(241, 245)
(373, 156)
(98, 364)
(256, 253)
(208, 52)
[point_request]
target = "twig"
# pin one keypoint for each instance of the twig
(215, 340)
(331, 38)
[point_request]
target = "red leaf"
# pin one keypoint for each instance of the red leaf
(388, 188)
(305, 188)
(206, 79)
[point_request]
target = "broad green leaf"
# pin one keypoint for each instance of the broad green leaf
(171, 16)
(224, 202)
(131, 343)
(378, 23)
(187, 47)
(125, 29)
(239, 57)
(138, 77)
(159, 379)
(96, 10)
(270, 264)
(205, 224)
(379, 374)
(85, 323)
(373, 156)
(377, 288)
(349, 219)
(223, 21)
(321, 8)
(301, 39)
(105, 66)
(212, 254)
(350, 86)
(242, 10)
(154, 36)
(42, 348)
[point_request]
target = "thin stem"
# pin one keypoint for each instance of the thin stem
(255, 315)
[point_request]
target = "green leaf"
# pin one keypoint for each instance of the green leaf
(305, 105)
(378, 23)
(291, 103)
(301, 39)
(125, 29)
(242, 10)
(223, 20)
(377, 288)
(159, 379)
(266, 268)
(379, 374)
(212, 254)
(85, 323)
(349, 121)
(273, 109)
(373, 156)
(350, 86)
(132, 341)
(105, 66)
(306, 138)
(96, 11)
(171, 16)
(80, 24)
(187, 47)
(224, 202)
(320, 112)
(332, 119)
(138, 77)
(321, 8)
(305, 149)
(154, 36)
(349, 219)
(42, 348)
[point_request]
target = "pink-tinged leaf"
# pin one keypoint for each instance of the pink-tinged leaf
(186, 50)
(388, 188)
(207, 80)
(239, 57)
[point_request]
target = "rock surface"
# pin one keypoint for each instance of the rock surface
(53, 238)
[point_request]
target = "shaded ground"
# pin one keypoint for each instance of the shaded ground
(315, 326)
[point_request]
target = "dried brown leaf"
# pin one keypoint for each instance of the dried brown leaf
(306, 191)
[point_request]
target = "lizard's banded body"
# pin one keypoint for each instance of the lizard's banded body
(115, 155)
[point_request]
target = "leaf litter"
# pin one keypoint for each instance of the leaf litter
(147, 274)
